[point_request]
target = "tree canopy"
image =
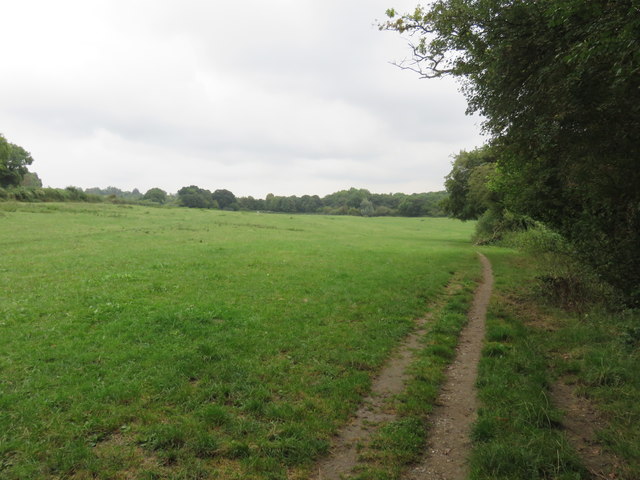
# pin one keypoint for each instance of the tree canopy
(13, 163)
(557, 83)
(156, 195)
(195, 197)
(467, 184)
(224, 198)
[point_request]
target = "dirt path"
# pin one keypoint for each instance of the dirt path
(447, 452)
(450, 424)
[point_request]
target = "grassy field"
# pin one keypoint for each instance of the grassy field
(175, 343)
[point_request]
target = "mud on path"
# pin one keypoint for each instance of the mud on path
(448, 447)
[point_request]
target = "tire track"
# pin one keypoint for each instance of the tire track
(448, 448)
(449, 444)
(373, 411)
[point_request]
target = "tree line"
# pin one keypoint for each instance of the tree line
(359, 202)
(18, 183)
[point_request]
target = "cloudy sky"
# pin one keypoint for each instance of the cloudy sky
(291, 97)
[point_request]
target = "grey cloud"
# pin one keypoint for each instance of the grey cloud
(299, 95)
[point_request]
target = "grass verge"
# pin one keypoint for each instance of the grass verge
(598, 352)
(529, 344)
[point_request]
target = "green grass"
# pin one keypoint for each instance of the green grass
(530, 344)
(401, 442)
(517, 432)
(174, 343)
(599, 353)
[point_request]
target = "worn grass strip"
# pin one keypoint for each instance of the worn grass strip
(596, 354)
(517, 434)
(400, 442)
(376, 408)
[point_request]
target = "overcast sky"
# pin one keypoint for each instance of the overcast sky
(291, 97)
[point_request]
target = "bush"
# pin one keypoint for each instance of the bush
(496, 223)
(383, 211)
(76, 193)
(563, 280)
(56, 195)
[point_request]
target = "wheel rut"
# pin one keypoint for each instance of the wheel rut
(373, 411)
(449, 443)
(448, 447)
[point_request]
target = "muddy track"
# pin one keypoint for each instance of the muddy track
(448, 447)
(449, 444)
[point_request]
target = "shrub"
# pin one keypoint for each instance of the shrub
(496, 223)
(563, 280)
(55, 195)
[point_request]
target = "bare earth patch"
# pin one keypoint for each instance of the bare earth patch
(449, 443)
(122, 450)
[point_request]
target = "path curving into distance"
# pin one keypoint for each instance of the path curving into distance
(448, 446)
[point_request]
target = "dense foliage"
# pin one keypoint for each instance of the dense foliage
(32, 180)
(156, 195)
(473, 195)
(467, 184)
(558, 85)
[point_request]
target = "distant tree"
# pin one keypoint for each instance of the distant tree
(225, 198)
(195, 197)
(366, 208)
(250, 203)
(31, 180)
(310, 203)
(347, 198)
(467, 186)
(411, 206)
(115, 193)
(75, 194)
(97, 191)
(269, 202)
(288, 204)
(433, 204)
(156, 195)
(13, 163)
